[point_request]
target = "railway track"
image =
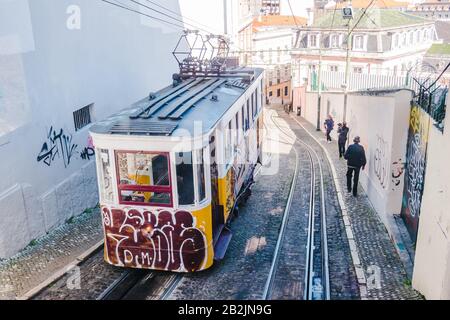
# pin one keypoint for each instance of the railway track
(130, 284)
(316, 278)
(142, 285)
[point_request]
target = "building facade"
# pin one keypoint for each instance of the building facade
(64, 65)
(385, 42)
(267, 43)
(432, 9)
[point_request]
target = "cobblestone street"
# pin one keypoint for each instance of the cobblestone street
(243, 273)
(376, 250)
(47, 255)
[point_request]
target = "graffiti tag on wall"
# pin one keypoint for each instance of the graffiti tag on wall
(59, 145)
(157, 239)
(381, 161)
(415, 169)
(398, 168)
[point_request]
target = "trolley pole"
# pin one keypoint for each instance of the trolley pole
(319, 88)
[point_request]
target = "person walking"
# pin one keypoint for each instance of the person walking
(356, 159)
(342, 140)
(329, 126)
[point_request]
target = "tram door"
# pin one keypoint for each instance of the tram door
(217, 216)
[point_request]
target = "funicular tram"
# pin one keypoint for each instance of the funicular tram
(172, 168)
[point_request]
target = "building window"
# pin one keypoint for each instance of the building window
(334, 68)
(143, 178)
(313, 43)
(82, 117)
(278, 92)
(358, 43)
(286, 91)
(334, 41)
(270, 93)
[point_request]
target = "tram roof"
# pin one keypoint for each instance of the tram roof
(178, 111)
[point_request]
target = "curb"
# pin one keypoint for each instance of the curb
(61, 272)
(362, 281)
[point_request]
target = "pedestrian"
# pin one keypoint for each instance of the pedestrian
(342, 140)
(356, 159)
(329, 126)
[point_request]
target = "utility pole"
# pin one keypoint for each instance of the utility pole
(348, 14)
(347, 70)
(225, 17)
(319, 89)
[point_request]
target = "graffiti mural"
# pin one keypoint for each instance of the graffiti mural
(398, 168)
(158, 239)
(381, 161)
(59, 145)
(415, 169)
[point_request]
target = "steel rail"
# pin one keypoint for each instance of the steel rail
(309, 272)
(324, 236)
(272, 271)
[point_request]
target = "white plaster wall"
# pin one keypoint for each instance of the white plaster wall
(46, 73)
(382, 123)
(432, 261)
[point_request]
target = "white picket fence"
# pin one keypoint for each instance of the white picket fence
(332, 80)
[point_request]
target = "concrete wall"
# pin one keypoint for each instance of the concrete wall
(432, 261)
(57, 57)
(381, 120)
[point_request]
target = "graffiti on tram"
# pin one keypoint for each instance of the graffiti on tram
(159, 239)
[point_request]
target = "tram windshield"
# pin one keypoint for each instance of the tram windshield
(144, 178)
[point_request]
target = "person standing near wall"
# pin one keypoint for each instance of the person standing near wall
(329, 126)
(342, 140)
(356, 159)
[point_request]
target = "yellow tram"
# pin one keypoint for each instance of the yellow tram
(172, 168)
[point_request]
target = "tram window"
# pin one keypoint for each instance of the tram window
(236, 131)
(200, 170)
(143, 177)
(243, 118)
(143, 169)
(253, 106)
(185, 178)
(247, 116)
(105, 177)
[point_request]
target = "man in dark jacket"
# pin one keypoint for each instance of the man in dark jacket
(329, 126)
(342, 140)
(356, 158)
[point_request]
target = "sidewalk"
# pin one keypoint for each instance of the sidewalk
(377, 252)
(49, 254)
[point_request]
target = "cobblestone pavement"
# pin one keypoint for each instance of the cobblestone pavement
(244, 271)
(242, 274)
(84, 283)
(343, 281)
(48, 254)
(376, 250)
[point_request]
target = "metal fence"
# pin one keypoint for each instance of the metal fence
(332, 80)
(432, 98)
(430, 93)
